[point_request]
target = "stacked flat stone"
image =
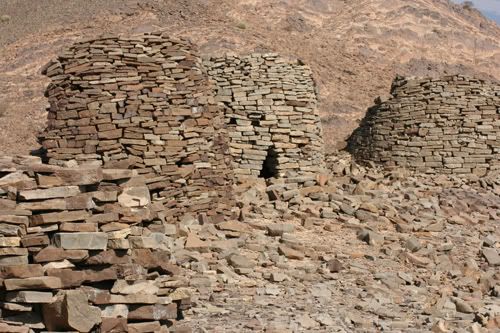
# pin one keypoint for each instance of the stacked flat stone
(270, 110)
(83, 248)
(447, 125)
(142, 103)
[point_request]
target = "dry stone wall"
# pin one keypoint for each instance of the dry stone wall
(144, 103)
(270, 111)
(84, 248)
(140, 155)
(447, 125)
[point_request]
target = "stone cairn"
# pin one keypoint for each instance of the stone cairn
(270, 110)
(142, 103)
(83, 247)
(447, 125)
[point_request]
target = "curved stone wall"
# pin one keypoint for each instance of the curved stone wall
(188, 126)
(271, 114)
(143, 103)
(446, 125)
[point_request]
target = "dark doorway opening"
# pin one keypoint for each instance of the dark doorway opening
(270, 165)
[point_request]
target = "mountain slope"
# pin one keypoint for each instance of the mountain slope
(355, 47)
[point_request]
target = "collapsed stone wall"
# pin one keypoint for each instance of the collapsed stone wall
(446, 125)
(143, 103)
(81, 248)
(270, 111)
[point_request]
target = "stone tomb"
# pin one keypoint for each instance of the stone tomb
(446, 125)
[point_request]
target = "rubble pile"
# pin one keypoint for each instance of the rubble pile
(400, 252)
(84, 247)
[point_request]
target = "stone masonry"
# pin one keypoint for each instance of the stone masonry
(135, 188)
(83, 247)
(270, 110)
(149, 103)
(142, 103)
(447, 125)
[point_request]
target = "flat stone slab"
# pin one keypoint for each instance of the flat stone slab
(27, 296)
(50, 193)
(42, 282)
(81, 240)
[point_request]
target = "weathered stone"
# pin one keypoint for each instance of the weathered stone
(10, 241)
(114, 325)
(492, 256)
(71, 311)
(29, 297)
(50, 193)
(145, 327)
(13, 260)
(40, 219)
(71, 278)
(290, 253)
(153, 312)
(278, 229)
(55, 254)
(134, 197)
(42, 282)
(239, 261)
(370, 237)
(81, 240)
(137, 287)
(413, 244)
(4, 327)
(193, 242)
(21, 272)
(334, 265)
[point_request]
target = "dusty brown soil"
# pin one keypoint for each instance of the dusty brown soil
(355, 47)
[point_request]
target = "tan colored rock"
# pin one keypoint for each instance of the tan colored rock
(114, 325)
(134, 197)
(50, 193)
(71, 311)
(66, 216)
(136, 287)
(290, 253)
(4, 327)
(10, 241)
(153, 312)
(21, 272)
(151, 326)
(81, 240)
(26, 296)
(51, 253)
(42, 282)
(193, 242)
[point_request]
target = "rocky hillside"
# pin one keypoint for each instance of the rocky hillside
(355, 47)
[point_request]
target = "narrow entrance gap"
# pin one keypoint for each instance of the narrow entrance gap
(270, 165)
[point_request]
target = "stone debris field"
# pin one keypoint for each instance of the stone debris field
(181, 193)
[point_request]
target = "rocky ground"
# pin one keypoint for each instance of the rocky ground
(371, 250)
(355, 47)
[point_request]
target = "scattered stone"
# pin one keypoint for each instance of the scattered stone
(290, 253)
(492, 256)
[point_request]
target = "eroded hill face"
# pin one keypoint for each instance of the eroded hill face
(355, 47)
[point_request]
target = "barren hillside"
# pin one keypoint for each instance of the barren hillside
(355, 47)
